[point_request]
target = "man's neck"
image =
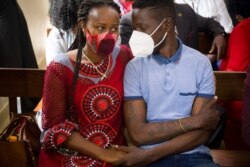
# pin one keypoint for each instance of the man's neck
(171, 46)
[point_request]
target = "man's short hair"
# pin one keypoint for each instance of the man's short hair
(159, 9)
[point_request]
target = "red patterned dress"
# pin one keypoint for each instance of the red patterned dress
(97, 108)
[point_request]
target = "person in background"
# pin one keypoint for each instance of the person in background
(168, 92)
(63, 17)
(16, 50)
(215, 9)
(188, 24)
(246, 109)
(236, 59)
(125, 5)
(238, 10)
(83, 94)
(238, 53)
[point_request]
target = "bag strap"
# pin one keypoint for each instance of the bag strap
(16, 125)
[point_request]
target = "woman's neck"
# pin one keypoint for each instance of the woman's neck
(92, 55)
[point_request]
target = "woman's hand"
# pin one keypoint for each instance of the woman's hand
(113, 156)
(135, 156)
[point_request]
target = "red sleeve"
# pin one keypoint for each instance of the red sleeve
(54, 121)
(126, 54)
(238, 53)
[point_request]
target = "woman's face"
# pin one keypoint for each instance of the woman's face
(102, 19)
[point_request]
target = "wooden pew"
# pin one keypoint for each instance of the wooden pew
(229, 85)
(29, 83)
(19, 82)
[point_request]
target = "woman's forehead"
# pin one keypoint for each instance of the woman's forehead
(104, 13)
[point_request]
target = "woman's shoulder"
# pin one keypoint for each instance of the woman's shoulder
(125, 53)
(64, 59)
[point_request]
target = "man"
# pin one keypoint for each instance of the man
(215, 9)
(168, 94)
(238, 10)
(188, 24)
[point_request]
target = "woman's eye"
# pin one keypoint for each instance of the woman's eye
(100, 29)
(115, 29)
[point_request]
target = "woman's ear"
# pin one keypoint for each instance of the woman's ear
(82, 26)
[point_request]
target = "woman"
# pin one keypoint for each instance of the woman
(63, 17)
(83, 94)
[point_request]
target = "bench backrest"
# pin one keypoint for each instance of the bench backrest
(20, 82)
(29, 83)
(229, 85)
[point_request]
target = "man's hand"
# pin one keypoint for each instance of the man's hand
(209, 117)
(219, 46)
(136, 157)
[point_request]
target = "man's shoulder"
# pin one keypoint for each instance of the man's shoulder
(192, 53)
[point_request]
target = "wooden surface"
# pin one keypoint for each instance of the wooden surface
(20, 83)
(231, 158)
(229, 85)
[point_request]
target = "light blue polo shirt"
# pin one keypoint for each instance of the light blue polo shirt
(169, 85)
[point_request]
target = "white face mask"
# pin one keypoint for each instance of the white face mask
(142, 44)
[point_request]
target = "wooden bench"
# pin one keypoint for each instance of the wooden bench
(29, 83)
(20, 83)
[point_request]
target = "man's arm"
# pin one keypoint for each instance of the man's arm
(178, 144)
(143, 132)
(213, 29)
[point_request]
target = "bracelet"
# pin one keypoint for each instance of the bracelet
(179, 120)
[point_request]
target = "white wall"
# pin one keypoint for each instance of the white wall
(36, 14)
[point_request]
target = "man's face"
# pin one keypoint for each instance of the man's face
(144, 22)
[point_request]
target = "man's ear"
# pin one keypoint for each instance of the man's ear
(169, 23)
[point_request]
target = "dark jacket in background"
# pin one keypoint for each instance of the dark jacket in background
(188, 25)
(15, 44)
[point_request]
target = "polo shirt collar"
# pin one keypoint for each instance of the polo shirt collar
(173, 58)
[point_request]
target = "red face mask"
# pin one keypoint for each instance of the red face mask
(103, 44)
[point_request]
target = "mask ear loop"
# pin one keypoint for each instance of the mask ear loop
(161, 40)
(156, 30)
(157, 27)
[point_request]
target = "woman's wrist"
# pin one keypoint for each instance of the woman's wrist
(101, 154)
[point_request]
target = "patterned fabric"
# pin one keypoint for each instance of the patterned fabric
(97, 108)
(125, 6)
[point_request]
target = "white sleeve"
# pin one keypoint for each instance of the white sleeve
(223, 16)
(54, 45)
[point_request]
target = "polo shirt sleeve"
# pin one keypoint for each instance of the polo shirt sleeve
(132, 88)
(206, 86)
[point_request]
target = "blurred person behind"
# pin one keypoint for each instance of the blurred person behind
(15, 44)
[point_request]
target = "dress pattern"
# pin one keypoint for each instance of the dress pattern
(100, 102)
